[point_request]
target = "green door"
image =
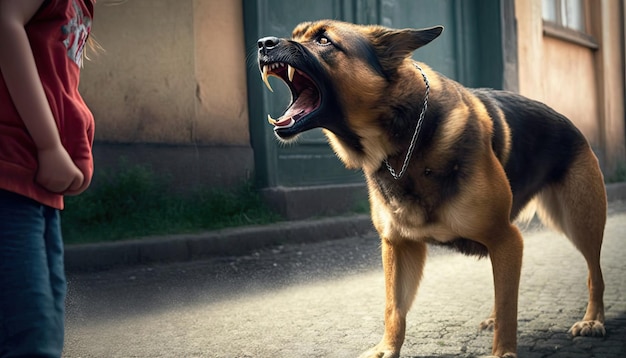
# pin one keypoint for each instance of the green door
(472, 36)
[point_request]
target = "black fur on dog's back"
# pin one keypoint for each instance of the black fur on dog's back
(543, 143)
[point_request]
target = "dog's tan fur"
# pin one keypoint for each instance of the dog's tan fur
(410, 212)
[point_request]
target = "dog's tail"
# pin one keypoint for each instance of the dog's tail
(536, 213)
(526, 215)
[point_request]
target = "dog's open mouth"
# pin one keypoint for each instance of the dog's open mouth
(305, 94)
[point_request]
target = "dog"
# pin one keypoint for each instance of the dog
(444, 164)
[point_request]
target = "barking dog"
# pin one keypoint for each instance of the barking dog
(443, 163)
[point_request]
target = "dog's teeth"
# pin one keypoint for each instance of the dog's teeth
(271, 120)
(264, 77)
(290, 72)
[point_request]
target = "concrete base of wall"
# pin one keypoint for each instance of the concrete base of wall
(188, 167)
(316, 201)
(191, 167)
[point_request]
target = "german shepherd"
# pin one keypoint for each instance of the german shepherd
(443, 163)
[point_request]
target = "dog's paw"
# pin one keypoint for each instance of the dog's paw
(588, 329)
(488, 324)
(378, 352)
(506, 355)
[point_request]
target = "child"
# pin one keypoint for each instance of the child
(46, 133)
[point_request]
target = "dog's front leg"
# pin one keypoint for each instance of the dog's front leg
(506, 260)
(403, 263)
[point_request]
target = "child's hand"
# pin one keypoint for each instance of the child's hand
(57, 172)
(86, 180)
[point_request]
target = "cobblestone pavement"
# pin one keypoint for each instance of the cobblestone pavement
(326, 300)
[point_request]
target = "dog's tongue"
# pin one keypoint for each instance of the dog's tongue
(284, 122)
(305, 103)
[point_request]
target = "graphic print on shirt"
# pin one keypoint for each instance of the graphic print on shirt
(77, 30)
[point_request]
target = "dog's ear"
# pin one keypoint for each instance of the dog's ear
(393, 46)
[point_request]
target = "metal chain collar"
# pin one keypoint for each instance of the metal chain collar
(418, 128)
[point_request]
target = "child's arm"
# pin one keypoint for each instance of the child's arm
(57, 172)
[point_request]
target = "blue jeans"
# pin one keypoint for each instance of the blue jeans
(32, 279)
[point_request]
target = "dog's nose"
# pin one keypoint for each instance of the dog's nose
(268, 43)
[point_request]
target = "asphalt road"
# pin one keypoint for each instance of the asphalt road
(326, 299)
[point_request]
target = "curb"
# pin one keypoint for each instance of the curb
(229, 242)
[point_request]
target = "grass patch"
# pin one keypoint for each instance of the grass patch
(361, 207)
(134, 202)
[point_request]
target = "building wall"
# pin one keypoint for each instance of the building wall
(171, 78)
(607, 23)
(169, 90)
(569, 84)
(220, 53)
(584, 83)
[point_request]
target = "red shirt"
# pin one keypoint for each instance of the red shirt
(57, 35)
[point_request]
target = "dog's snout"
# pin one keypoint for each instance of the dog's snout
(268, 43)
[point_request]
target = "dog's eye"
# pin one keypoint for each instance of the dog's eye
(323, 40)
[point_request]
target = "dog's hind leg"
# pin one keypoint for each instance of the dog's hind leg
(489, 322)
(403, 263)
(577, 207)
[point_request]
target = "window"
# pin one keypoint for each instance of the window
(566, 13)
(565, 19)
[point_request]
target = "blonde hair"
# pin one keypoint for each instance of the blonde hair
(92, 48)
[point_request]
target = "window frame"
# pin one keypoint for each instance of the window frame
(556, 29)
